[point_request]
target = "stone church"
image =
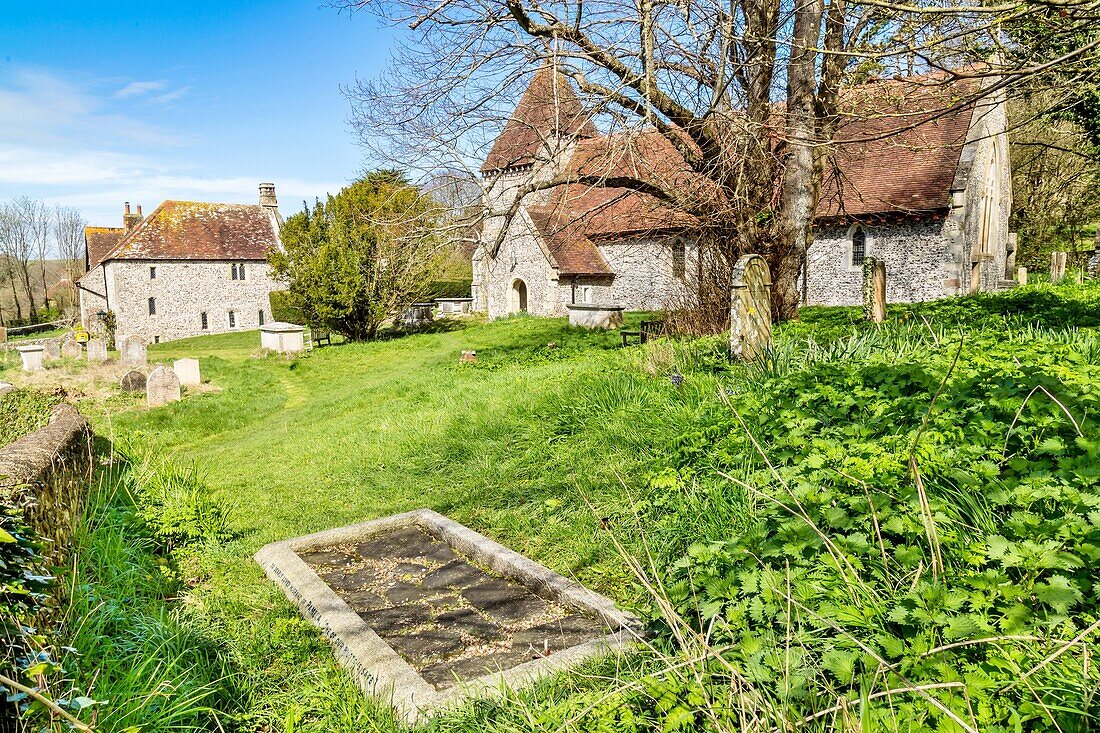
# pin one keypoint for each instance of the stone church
(188, 269)
(924, 185)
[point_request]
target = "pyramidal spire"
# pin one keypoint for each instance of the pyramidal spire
(548, 108)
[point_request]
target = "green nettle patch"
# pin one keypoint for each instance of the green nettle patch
(922, 536)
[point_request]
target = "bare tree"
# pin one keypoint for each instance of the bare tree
(746, 95)
(38, 220)
(10, 230)
(68, 228)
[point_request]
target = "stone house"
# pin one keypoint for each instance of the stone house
(188, 269)
(923, 184)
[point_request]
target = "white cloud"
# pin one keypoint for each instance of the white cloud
(138, 88)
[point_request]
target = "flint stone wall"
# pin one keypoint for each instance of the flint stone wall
(46, 475)
(917, 256)
(183, 290)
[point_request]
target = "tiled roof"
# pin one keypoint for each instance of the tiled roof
(548, 107)
(100, 241)
(189, 230)
(904, 157)
(573, 252)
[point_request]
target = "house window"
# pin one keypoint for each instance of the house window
(859, 246)
(232, 319)
(152, 272)
(261, 318)
(586, 293)
(679, 258)
(240, 271)
(152, 306)
(205, 323)
(156, 339)
(236, 271)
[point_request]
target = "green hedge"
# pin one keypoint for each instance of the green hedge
(449, 289)
(282, 309)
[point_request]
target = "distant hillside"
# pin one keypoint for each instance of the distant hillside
(55, 271)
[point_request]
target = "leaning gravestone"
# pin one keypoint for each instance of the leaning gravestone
(162, 387)
(97, 350)
(71, 350)
(751, 310)
(188, 371)
(874, 290)
(132, 381)
(51, 350)
(131, 351)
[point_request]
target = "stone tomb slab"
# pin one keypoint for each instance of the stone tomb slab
(425, 612)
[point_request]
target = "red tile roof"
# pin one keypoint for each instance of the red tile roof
(903, 157)
(189, 230)
(548, 107)
(99, 242)
(572, 251)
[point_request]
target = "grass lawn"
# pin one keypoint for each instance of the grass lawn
(553, 431)
(550, 431)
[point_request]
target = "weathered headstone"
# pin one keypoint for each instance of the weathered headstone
(97, 350)
(468, 357)
(3, 334)
(32, 357)
(162, 387)
(1057, 266)
(874, 290)
(71, 350)
(751, 310)
(132, 381)
(188, 371)
(51, 350)
(1021, 275)
(131, 351)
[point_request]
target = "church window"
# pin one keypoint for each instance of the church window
(152, 272)
(261, 318)
(152, 306)
(679, 258)
(859, 246)
(232, 319)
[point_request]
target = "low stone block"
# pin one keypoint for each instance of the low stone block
(188, 371)
(162, 387)
(97, 350)
(32, 357)
(591, 315)
(72, 350)
(283, 338)
(132, 381)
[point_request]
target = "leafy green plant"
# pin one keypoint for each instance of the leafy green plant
(22, 411)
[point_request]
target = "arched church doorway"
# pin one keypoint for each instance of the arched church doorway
(518, 299)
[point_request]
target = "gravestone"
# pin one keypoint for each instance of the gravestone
(97, 350)
(1057, 266)
(32, 357)
(132, 381)
(1021, 276)
(131, 351)
(162, 387)
(3, 335)
(751, 309)
(51, 350)
(874, 290)
(71, 350)
(188, 371)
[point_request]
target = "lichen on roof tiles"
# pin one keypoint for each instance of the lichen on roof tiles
(194, 230)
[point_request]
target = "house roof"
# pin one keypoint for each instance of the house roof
(904, 156)
(100, 241)
(549, 107)
(191, 230)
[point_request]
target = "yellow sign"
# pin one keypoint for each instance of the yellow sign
(81, 337)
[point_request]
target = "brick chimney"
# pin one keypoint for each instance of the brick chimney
(267, 197)
(131, 220)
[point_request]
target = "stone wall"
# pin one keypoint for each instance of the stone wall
(917, 256)
(521, 257)
(184, 290)
(644, 279)
(46, 474)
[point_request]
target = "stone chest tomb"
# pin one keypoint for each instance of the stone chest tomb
(423, 611)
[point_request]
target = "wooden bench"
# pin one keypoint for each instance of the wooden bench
(647, 330)
(318, 336)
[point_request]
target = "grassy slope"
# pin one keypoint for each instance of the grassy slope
(515, 447)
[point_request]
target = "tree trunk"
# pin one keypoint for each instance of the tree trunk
(15, 297)
(799, 185)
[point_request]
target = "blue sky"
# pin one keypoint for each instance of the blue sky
(106, 102)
